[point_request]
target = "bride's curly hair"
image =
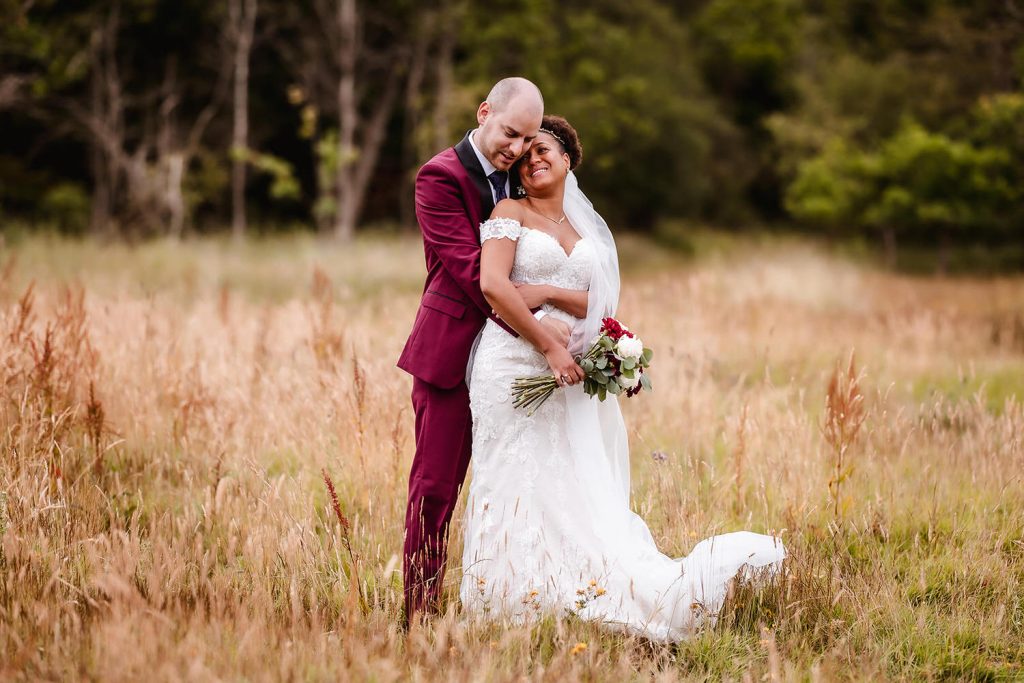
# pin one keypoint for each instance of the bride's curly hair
(566, 135)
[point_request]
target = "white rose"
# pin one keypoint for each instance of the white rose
(628, 382)
(629, 347)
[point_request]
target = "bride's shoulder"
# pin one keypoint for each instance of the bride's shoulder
(506, 221)
(509, 208)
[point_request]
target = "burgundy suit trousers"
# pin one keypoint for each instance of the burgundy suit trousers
(444, 441)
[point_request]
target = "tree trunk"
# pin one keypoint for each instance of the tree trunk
(412, 120)
(242, 15)
(175, 150)
(445, 74)
(373, 139)
(942, 264)
(106, 114)
(889, 242)
(348, 122)
(174, 198)
(151, 169)
(99, 219)
(10, 90)
(357, 81)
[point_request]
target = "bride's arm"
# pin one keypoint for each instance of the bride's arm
(572, 301)
(496, 259)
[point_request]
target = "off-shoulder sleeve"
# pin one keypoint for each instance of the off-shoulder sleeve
(498, 228)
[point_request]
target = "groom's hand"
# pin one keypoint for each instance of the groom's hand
(559, 329)
(534, 296)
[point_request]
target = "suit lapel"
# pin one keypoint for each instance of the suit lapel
(464, 150)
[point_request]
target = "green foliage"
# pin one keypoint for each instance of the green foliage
(997, 122)
(206, 182)
(724, 112)
(932, 181)
(624, 77)
(326, 150)
(747, 49)
(67, 206)
(832, 187)
(919, 181)
(840, 96)
(284, 185)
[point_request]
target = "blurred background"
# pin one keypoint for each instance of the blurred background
(893, 126)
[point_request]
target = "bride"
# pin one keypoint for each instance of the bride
(548, 522)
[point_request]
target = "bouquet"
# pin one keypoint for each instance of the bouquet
(614, 364)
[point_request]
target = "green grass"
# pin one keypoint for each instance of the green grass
(993, 386)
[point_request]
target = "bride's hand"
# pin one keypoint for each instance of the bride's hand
(533, 295)
(563, 367)
(558, 328)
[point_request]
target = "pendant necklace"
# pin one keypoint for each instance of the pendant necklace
(558, 222)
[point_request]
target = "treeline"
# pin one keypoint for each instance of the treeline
(898, 119)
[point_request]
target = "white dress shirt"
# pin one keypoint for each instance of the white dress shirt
(488, 168)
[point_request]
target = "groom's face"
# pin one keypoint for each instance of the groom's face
(506, 134)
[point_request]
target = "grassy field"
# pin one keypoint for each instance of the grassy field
(170, 411)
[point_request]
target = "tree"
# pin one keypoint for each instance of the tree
(621, 76)
(941, 187)
(241, 27)
(920, 183)
(151, 137)
(349, 61)
(747, 49)
(41, 53)
(998, 122)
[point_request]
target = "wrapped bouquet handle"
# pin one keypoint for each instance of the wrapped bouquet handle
(615, 363)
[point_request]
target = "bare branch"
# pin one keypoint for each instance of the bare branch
(10, 90)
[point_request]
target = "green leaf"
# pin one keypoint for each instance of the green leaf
(602, 393)
(601, 363)
(629, 363)
(614, 388)
(601, 378)
(587, 365)
(646, 357)
(645, 383)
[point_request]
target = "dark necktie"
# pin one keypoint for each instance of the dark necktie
(498, 179)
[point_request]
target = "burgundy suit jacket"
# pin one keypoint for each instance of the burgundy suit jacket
(452, 198)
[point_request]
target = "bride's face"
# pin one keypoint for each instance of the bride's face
(544, 166)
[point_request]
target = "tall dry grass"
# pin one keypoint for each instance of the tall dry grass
(204, 450)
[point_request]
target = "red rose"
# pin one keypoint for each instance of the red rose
(612, 328)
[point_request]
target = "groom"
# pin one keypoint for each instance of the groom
(455, 192)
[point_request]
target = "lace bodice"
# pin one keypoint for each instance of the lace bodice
(540, 259)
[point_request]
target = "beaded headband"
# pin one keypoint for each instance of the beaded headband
(554, 135)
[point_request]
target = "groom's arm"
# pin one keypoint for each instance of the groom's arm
(449, 233)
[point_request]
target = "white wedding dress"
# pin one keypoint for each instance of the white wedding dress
(549, 528)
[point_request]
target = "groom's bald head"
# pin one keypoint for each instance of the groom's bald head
(516, 91)
(509, 120)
